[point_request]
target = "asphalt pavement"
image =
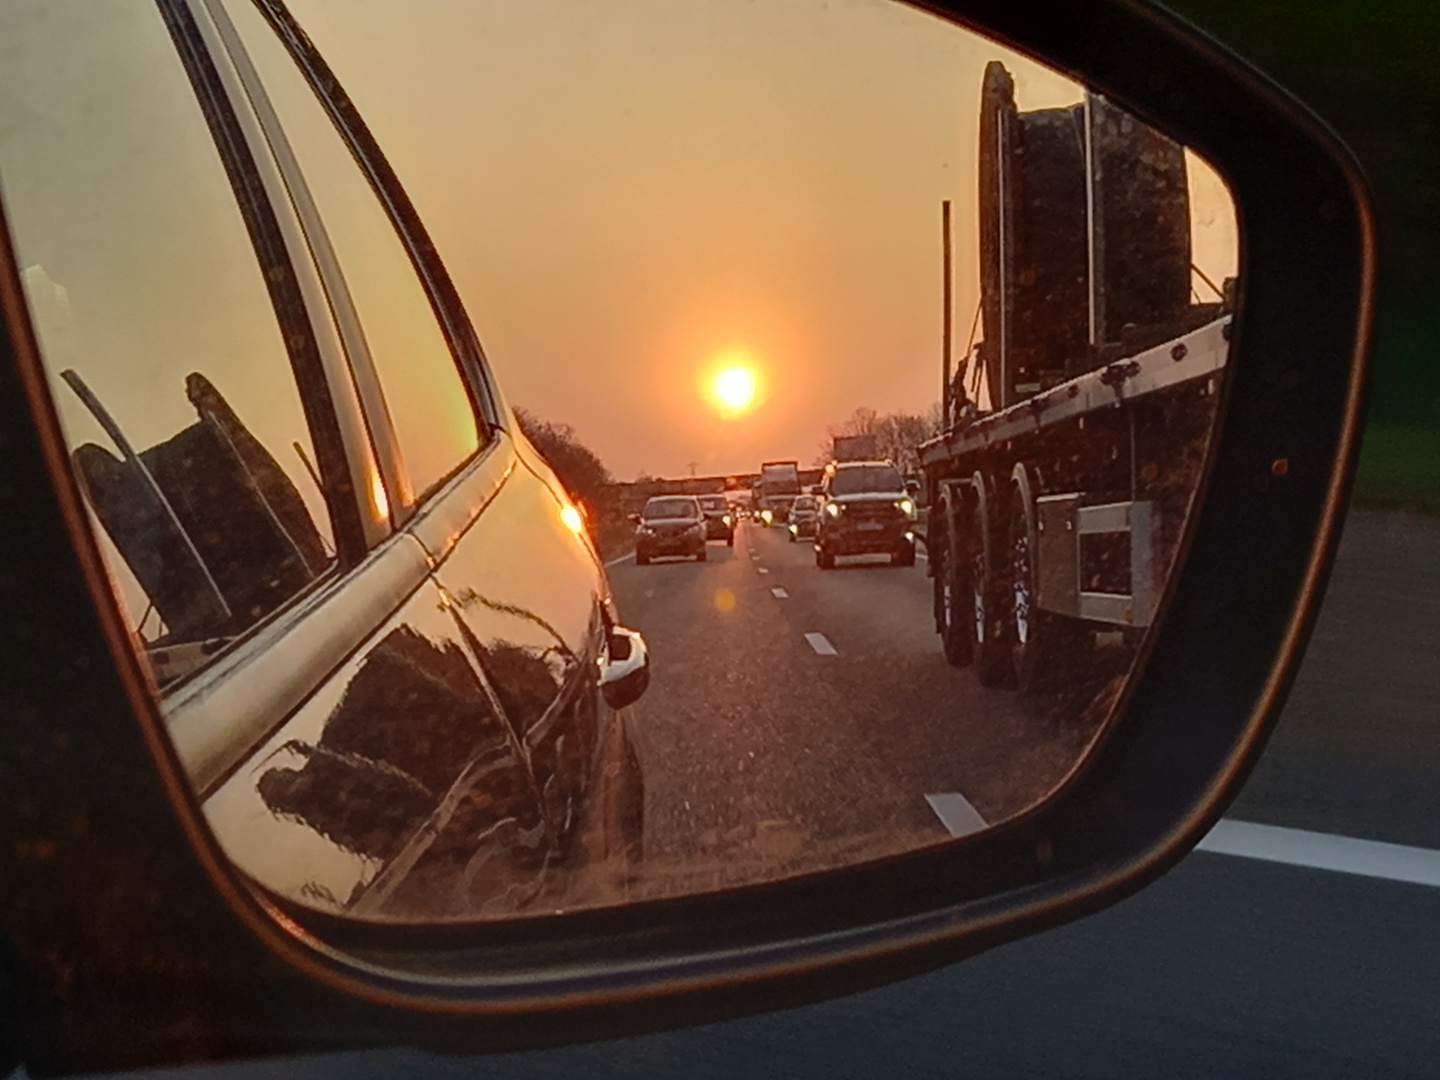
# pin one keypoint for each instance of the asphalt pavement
(800, 718)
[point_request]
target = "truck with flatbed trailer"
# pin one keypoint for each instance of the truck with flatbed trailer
(1075, 437)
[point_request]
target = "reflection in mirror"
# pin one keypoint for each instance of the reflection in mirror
(867, 373)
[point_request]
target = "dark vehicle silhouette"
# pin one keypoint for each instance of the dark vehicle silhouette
(865, 510)
(670, 525)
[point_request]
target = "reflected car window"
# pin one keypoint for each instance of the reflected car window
(854, 479)
(425, 397)
(167, 365)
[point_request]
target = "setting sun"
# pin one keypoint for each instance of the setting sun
(734, 388)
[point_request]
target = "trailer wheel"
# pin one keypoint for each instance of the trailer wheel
(990, 624)
(1042, 641)
(953, 603)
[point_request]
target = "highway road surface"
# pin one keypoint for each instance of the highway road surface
(799, 718)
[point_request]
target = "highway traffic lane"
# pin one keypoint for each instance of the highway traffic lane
(1357, 749)
(764, 757)
(1003, 750)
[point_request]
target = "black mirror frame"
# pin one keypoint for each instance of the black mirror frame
(128, 940)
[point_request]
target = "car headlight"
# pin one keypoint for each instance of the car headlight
(907, 507)
(833, 509)
(766, 516)
(726, 520)
(645, 530)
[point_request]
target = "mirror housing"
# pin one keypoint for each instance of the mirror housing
(626, 672)
(116, 897)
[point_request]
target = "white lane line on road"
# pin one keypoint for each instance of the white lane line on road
(780, 594)
(956, 813)
(821, 644)
(1323, 851)
(762, 569)
(620, 559)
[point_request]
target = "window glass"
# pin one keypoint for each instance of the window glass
(167, 365)
(428, 405)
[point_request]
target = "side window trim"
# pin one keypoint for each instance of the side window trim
(376, 414)
(253, 195)
(445, 300)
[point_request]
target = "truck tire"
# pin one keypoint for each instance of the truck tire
(823, 559)
(951, 569)
(989, 615)
(1042, 641)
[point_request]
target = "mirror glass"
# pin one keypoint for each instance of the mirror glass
(847, 383)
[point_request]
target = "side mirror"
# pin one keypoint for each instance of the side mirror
(341, 746)
(626, 672)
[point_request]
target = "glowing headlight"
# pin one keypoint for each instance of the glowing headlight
(726, 519)
(833, 509)
(766, 516)
(907, 507)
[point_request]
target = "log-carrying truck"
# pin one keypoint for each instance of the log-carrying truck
(1074, 436)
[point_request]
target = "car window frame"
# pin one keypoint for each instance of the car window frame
(454, 323)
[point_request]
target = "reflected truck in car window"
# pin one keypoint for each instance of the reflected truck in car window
(383, 644)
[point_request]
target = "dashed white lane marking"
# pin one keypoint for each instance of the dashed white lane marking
(762, 569)
(956, 813)
(821, 644)
(780, 594)
(620, 559)
(1324, 851)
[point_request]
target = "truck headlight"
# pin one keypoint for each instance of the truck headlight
(833, 509)
(907, 507)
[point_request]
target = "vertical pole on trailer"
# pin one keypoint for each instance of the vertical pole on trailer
(946, 336)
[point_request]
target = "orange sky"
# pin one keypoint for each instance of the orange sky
(627, 190)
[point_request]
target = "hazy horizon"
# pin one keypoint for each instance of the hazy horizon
(627, 195)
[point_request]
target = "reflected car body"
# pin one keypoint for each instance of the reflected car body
(379, 635)
(804, 516)
(865, 510)
(670, 525)
(719, 518)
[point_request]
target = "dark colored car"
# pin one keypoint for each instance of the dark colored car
(719, 519)
(865, 510)
(804, 516)
(670, 525)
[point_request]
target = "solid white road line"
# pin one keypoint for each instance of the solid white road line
(821, 644)
(1324, 851)
(780, 594)
(956, 813)
(620, 559)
